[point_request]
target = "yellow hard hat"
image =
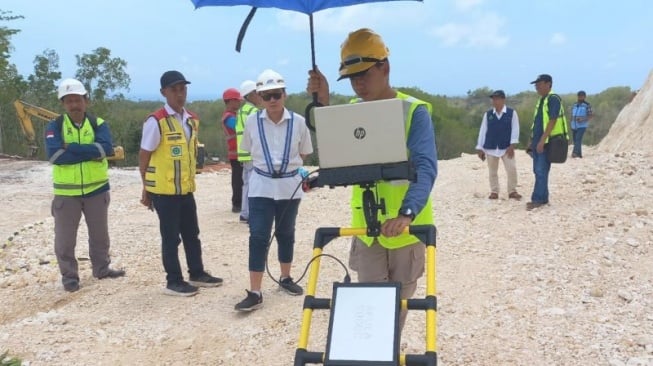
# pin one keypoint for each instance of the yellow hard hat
(361, 50)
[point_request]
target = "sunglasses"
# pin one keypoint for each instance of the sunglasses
(268, 96)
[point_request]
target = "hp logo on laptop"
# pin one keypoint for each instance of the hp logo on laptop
(359, 133)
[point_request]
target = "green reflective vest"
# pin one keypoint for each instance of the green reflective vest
(561, 121)
(393, 193)
(81, 178)
(244, 111)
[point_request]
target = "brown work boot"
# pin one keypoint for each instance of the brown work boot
(532, 205)
(494, 196)
(515, 196)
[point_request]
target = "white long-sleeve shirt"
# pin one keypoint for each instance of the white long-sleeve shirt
(514, 135)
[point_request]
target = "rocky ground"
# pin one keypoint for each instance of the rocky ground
(567, 284)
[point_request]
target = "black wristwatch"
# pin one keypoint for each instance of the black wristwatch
(407, 212)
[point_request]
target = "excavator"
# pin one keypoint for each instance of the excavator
(26, 110)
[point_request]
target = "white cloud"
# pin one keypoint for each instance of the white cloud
(345, 19)
(558, 39)
(483, 31)
(465, 5)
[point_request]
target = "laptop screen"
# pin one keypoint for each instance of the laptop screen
(361, 133)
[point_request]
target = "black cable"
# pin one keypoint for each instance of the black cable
(305, 179)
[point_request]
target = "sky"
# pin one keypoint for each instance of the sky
(444, 47)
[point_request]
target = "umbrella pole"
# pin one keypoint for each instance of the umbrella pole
(314, 103)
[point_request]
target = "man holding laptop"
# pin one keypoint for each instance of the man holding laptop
(393, 256)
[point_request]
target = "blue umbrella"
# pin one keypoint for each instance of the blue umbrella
(303, 6)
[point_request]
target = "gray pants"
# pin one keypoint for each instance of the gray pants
(67, 212)
(248, 167)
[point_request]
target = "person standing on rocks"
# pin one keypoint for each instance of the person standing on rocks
(548, 120)
(392, 256)
(252, 104)
(497, 138)
(77, 145)
(581, 114)
(167, 162)
(279, 141)
(232, 101)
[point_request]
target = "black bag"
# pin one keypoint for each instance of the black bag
(557, 148)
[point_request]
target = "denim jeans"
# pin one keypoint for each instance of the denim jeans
(262, 212)
(541, 168)
(177, 223)
(578, 141)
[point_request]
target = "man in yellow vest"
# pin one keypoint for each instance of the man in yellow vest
(251, 105)
(548, 120)
(167, 161)
(393, 256)
(77, 145)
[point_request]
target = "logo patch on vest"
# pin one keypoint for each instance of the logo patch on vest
(175, 151)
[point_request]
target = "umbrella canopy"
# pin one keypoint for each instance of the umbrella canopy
(302, 6)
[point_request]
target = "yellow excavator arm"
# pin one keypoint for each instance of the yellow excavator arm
(26, 110)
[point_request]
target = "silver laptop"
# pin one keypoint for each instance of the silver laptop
(361, 133)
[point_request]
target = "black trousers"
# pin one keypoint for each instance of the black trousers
(236, 183)
(177, 223)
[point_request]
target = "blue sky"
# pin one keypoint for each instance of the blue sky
(441, 46)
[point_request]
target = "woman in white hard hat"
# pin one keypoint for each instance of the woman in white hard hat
(278, 141)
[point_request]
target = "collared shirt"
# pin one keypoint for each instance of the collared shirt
(580, 110)
(514, 135)
(275, 135)
(151, 134)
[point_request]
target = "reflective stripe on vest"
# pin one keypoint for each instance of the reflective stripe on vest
(81, 178)
(393, 193)
(560, 127)
(243, 113)
(172, 165)
(285, 159)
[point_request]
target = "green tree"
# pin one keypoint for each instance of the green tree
(12, 86)
(102, 74)
(42, 84)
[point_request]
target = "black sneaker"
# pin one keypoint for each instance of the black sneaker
(205, 280)
(251, 302)
(71, 286)
(182, 288)
(291, 287)
(113, 273)
(243, 220)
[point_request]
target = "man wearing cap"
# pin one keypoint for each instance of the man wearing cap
(581, 114)
(77, 145)
(167, 161)
(232, 101)
(497, 138)
(393, 256)
(278, 141)
(548, 120)
(251, 105)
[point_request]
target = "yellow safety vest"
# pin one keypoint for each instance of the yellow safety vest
(81, 178)
(244, 111)
(172, 165)
(393, 193)
(561, 121)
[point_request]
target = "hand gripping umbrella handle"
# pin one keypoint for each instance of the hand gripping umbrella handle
(314, 103)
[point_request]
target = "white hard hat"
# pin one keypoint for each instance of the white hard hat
(269, 80)
(247, 87)
(71, 86)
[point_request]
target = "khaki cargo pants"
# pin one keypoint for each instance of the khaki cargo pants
(67, 213)
(378, 264)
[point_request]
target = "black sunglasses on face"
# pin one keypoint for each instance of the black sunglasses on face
(267, 96)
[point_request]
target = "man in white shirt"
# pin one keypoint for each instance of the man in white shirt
(497, 138)
(278, 141)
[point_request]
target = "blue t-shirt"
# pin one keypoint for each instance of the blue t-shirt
(580, 110)
(538, 125)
